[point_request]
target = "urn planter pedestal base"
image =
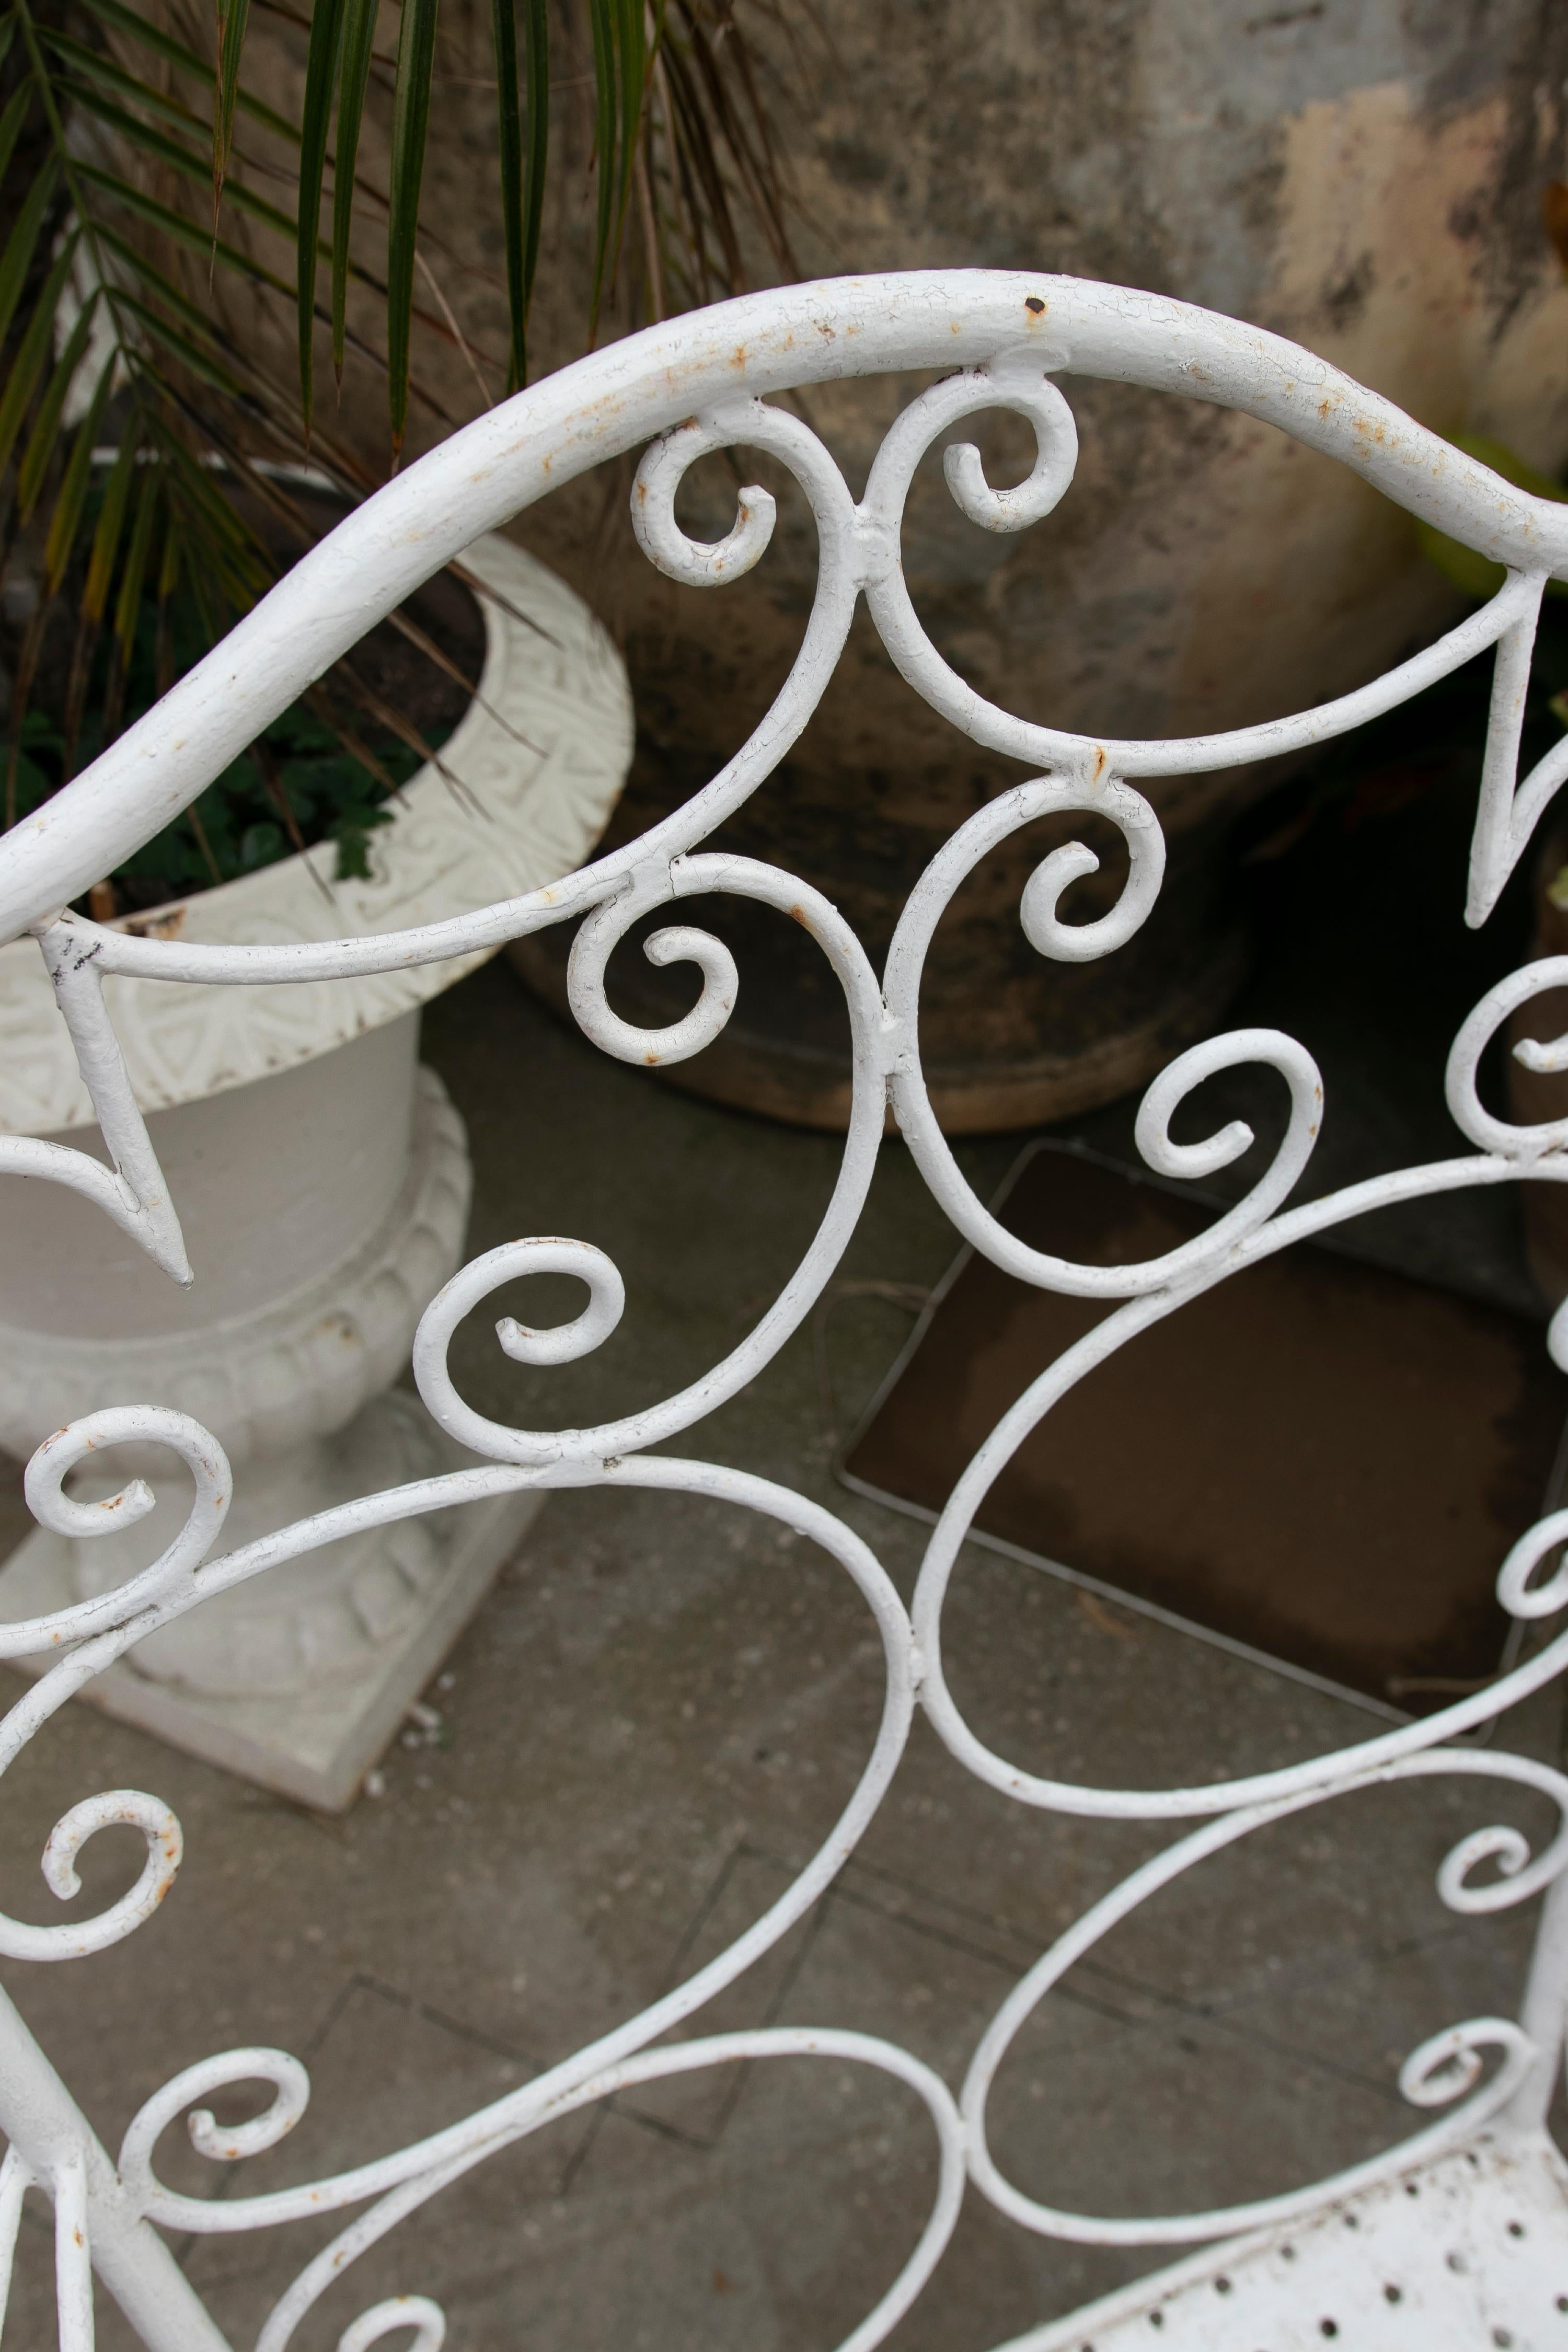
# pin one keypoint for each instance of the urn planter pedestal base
(316, 1744)
(297, 1677)
(321, 1179)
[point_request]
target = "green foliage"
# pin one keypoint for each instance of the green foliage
(137, 210)
(410, 126)
(679, 122)
(296, 787)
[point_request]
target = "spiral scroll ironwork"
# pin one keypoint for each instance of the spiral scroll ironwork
(1475, 2072)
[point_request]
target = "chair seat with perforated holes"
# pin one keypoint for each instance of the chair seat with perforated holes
(1459, 2255)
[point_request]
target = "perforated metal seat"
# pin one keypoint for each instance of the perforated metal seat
(1468, 2252)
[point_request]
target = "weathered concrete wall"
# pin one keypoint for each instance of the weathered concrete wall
(1362, 176)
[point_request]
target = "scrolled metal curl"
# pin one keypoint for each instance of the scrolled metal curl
(1514, 1589)
(428, 2320)
(1264, 1048)
(1446, 2069)
(1448, 2065)
(1506, 1847)
(696, 563)
(566, 1450)
(713, 563)
(1008, 813)
(54, 1509)
(1521, 1873)
(600, 934)
(1538, 1151)
(228, 2145)
(1475, 1035)
(564, 1343)
(995, 822)
(1015, 380)
(1064, 942)
(19, 1940)
(174, 1570)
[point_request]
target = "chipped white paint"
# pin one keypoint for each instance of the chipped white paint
(1483, 2086)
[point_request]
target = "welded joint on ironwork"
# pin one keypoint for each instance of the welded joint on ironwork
(876, 545)
(899, 1047)
(1021, 366)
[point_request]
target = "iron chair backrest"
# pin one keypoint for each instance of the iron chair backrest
(685, 390)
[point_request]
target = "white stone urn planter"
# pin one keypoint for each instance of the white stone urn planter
(322, 1178)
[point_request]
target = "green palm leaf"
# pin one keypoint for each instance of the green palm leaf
(22, 242)
(11, 123)
(40, 445)
(410, 123)
(536, 147)
(606, 116)
(358, 41)
(321, 71)
(235, 19)
(68, 513)
(679, 127)
(202, 362)
(111, 523)
(33, 353)
(175, 53)
(509, 140)
(631, 64)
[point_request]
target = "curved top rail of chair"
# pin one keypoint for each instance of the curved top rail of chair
(620, 397)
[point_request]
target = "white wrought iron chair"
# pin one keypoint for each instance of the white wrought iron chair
(1459, 2235)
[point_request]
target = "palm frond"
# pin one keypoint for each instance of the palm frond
(321, 71)
(150, 193)
(358, 46)
(410, 124)
(522, 139)
(33, 353)
(116, 17)
(233, 19)
(22, 242)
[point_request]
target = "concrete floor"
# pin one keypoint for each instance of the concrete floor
(645, 1733)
